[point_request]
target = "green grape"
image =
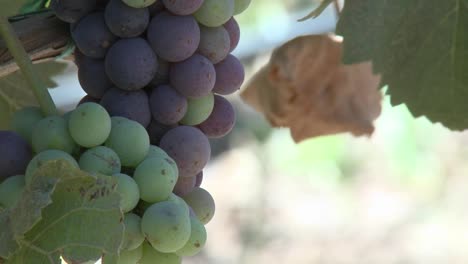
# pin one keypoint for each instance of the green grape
(196, 241)
(131, 256)
(24, 120)
(175, 198)
(156, 179)
(45, 156)
(157, 152)
(166, 225)
(10, 190)
(129, 140)
(52, 133)
(139, 3)
(240, 6)
(152, 256)
(202, 204)
(101, 160)
(214, 13)
(128, 190)
(133, 238)
(198, 110)
(89, 125)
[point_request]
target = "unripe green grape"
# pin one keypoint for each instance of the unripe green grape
(100, 159)
(128, 190)
(214, 13)
(196, 241)
(152, 256)
(44, 157)
(166, 225)
(157, 152)
(198, 110)
(202, 204)
(10, 190)
(133, 237)
(52, 133)
(89, 125)
(131, 256)
(139, 3)
(24, 120)
(240, 6)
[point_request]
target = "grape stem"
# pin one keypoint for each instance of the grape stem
(24, 63)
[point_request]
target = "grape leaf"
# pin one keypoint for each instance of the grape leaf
(63, 212)
(421, 49)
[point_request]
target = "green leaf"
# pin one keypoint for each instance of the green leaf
(317, 11)
(65, 212)
(421, 49)
(14, 7)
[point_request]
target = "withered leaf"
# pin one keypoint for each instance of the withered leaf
(306, 87)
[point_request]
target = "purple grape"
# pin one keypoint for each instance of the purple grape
(162, 75)
(199, 178)
(229, 75)
(92, 36)
(156, 8)
(71, 11)
(93, 78)
(79, 57)
(214, 43)
(182, 7)
(157, 130)
(15, 154)
(133, 105)
(167, 105)
(221, 121)
(185, 185)
(174, 38)
(131, 64)
(125, 21)
(233, 29)
(194, 77)
(189, 148)
(88, 99)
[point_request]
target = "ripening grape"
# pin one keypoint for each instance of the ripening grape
(196, 241)
(52, 133)
(178, 43)
(214, 43)
(214, 13)
(157, 130)
(100, 159)
(131, 64)
(131, 256)
(166, 225)
(199, 109)
(233, 30)
(92, 36)
(189, 147)
(139, 3)
(185, 185)
(44, 157)
(10, 190)
(156, 178)
(240, 6)
(194, 77)
(182, 7)
(92, 77)
(129, 140)
(152, 256)
(125, 21)
(72, 10)
(128, 190)
(202, 204)
(229, 75)
(24, 120)
(133, 105)
(168, 106)
(199, 180)
(133, 237)
(89, 125)
(162, 75)
(221, 121)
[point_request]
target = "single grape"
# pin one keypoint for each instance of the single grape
(214, 13)
(167, 105)
(157, 152)
(162, 75)
(199, 180)
(15, 154)
(196, 241)
(92, 77)
(133, 237)
(214, 43)
(156, 178)
(194, 77)
(131, 64)
(71, 11)
(182, 7)
(100, 159)
(189, 147)
(202, 204)
(229, 75)
(52, 133)
(233, 30)
(240, 6)
(89, 125)
(166, 225)
(152, 256)
(139, 3)
(87, 99)
(125, 21)
(199, 109)
(221, 121)
(129, 140)
(24, 120)
(133, 105)
(157, 130)
(185, 185)
(178, 43)
(44, 157)
(91, 35)
(11, 190)
(131, 256)
(128, 190)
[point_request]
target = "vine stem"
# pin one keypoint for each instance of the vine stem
(24, 63)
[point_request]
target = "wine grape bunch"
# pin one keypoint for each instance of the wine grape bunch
(155, 74)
